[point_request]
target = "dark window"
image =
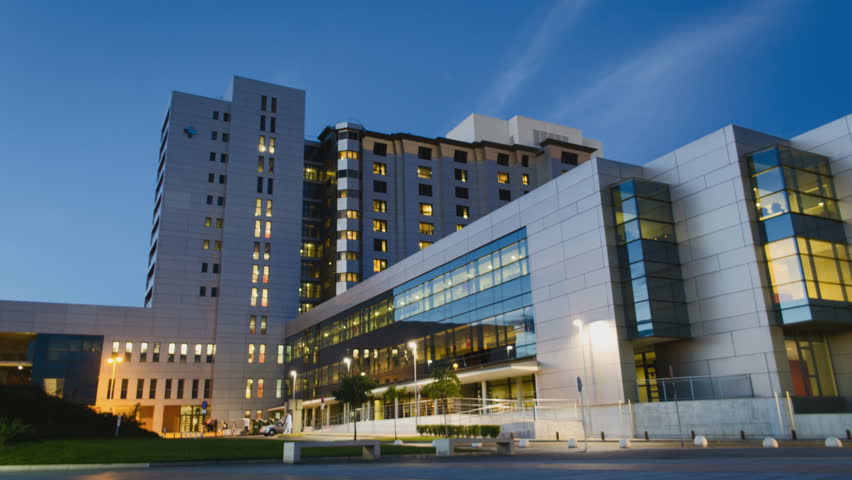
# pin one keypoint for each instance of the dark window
(124, 383)
(505, 195)
(140, 387)
(380, 245)
(212, 156)
(214, 292)
(220, 201)
(223, 179)
(380, 149)
(263, 123)
(274, 105)
(225, 137)
(259, 184)
(152, 388)
(214, 135)
(207, 385)
(461, 174)
(209, 199)
(525, 160)
(425, 190)
(203, 268)
(215, 268)
(353, 135)
(272, 124)
(502, 158)
(263, 102)
(269, 186)
(167, 391)
(215, 115)
(194, 388)
(202, 291)
(380, 187)
(570, 158)
(460, 156)
(226, 117)
(179, 388)
(461, 192)
(462, 211)
(223, 158)
(211, 178)
(424, 153)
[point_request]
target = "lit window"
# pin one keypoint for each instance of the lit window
(380, 245)
(249, 385)
(259, 389)
(263, 325)
(264, 301)
(266, 274)
(347, 255)
(462, 211)
(427, 228)
(459, 226)
(379, 168)
(171, 352)
(257, 227)
(253, 300)
(379, 264)
(128, 351)
(255, 273)
(502, 177)
(268, 232)
(208, 221)
(349, 214)
(271, 144)
(258, 207)
(423, 245)
(220, 222)
(461, 175)
(269, 208)
(348, 277)
(347, 235)
(217, 245)
(424, 172)
(347, 154)
(267, 250)
(252, 324)
(261, 144)
(205, 244)
(255, 253)
(261, 353)
(184, 349)
(143, 352)
(525, 179)
(380, 226)
(426, 209)
(259, 164)
(197, 352)
(251, 353)
(380, 206)
(211, 352)
(280, 357)
(311, 174)
(278, 384)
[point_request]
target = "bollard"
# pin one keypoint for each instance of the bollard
(624, 443)
(557, 435)
(397, 442)
(572, 443)
(476, 445)
(742, 435)
(770, 442)
(700, 441)
(833, 442)
(848, 434)
(692, 434)
(512, 435)
(793, 435)
(646, 435)
(523, 443)
(603, 437)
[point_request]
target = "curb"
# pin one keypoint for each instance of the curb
(80, 466)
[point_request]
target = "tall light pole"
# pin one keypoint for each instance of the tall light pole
(293, 374)
(348, 362)
(413, 346)
(579, 324)
(113, 361)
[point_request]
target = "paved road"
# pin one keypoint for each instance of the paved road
(703, 465)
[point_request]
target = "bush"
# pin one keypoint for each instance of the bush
(473, 431)
(11, 428)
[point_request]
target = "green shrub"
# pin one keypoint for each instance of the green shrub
(473, 431)
(10, 428)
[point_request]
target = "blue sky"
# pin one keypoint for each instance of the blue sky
(84, 86)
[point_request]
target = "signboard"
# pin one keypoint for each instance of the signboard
(204, 405)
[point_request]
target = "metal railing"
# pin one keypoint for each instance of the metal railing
(695, 388)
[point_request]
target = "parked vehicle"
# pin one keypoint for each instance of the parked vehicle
(273, 429)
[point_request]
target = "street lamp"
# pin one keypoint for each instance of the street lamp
(293, 374)
(579, 324)
(413, 346)
(509, 349)
(348, 362)
(113, 361)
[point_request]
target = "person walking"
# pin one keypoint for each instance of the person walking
(288, 423)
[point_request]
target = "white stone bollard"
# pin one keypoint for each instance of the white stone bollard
(397, 442)
(572, 443)
(770, 442)
(624, 443)
(833, 442)
(433, 442)
(700, 441)
(523, 443)
(476, 445)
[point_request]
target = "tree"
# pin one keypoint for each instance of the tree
(355, 390)
(393, 394)
(445, 384)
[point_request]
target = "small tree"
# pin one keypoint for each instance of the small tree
(445, 384)
(393, 394)
(355, 390)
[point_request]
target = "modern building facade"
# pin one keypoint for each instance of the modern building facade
(508, 250)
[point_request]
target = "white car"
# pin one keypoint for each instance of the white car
(273, 429)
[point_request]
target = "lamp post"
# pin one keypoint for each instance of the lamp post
(113, 361)
(509, 349)
(579, 324)
(348, 362)
(294, 374)
(413, 346)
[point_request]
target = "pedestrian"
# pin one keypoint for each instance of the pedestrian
(288, 423)
(246, 425)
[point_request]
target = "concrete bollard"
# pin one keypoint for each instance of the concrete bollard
(572, 443)
(700, 441)
(770, 442)
(476, 445)
(523, 443)
(624, 443)
(397, 442)
(833, 442)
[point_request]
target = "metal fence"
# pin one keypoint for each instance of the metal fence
(696, 388)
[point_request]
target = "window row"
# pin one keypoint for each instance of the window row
(226, 117)
(259, 274)
(255, 389)
(267, 251)
(264, 146)
(217, 245)
(259, 210)
(211, 178)
(269, 183)
(257, 326)
(168, 392)
(205, 267)
(153, 349)
(214, 135)
(220, 201)
(262, 228)
(259, 297)
(223, 157)
(257, 353)
(272, 122)
(265, 164)
(208, 222)
(273, 104)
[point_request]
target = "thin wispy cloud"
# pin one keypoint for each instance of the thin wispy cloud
(525, 62)
(657, 78)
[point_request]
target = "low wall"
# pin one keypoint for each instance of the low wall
(821, 425)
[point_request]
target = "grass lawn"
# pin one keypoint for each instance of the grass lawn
(164, 450)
